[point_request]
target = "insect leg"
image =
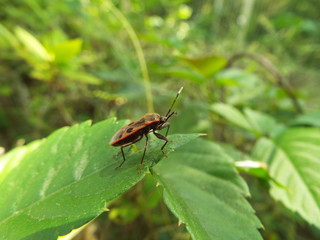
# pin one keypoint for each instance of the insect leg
(158, 135)
(167, 130)
(123, 146)
(144, 152)
(124, 158)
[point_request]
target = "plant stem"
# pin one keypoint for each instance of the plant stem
(244, 20)
(137, 46)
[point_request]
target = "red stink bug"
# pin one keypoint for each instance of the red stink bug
(135, 131)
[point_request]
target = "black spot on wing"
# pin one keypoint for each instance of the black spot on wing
(129, 130)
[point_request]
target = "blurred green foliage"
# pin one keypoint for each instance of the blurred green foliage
(64, 62)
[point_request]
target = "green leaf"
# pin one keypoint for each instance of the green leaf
(203, 189)
(263, 150)
(256, 122)
(310, 119)
(54, 185)
(245, 85)
(32, 44)
(261, 123)
(232, 114)
(295, 163)
(66, 51)
(188, 74)
(257, 169)
(249, 164)
(207, 66)
(237, 76)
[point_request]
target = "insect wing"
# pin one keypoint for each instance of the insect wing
(127, 130)
(133, 128)
(118, 135)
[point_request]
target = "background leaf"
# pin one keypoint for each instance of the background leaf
(310, 119)
(261, 123)
(295, 163)
(185, 73)
(232, 114)
(244, 85)
(202, 188)
(258, 123)
(66, 51)
(207, 66)
(54, 185)
(32, 44)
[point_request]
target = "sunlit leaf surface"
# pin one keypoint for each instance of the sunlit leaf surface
(52, 186)
(295, 164)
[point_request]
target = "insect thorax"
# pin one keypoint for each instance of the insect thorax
(151, 117)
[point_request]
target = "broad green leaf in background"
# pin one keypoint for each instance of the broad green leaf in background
(261, 123)
(256, 122)
(184, 73)
(237, 76)
(207, 66)
(232, 114)
(296, 165)
(54, 185)
(310, 119)
(63, 52)
(263, 150)
(203, 189)
(294, 160)
(243, 85)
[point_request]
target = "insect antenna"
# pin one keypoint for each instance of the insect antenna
(168, 113)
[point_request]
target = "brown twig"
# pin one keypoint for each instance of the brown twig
(267, 64)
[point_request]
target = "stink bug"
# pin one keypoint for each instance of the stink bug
(135, 131)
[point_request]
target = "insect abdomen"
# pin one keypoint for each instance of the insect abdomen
(126, 140)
